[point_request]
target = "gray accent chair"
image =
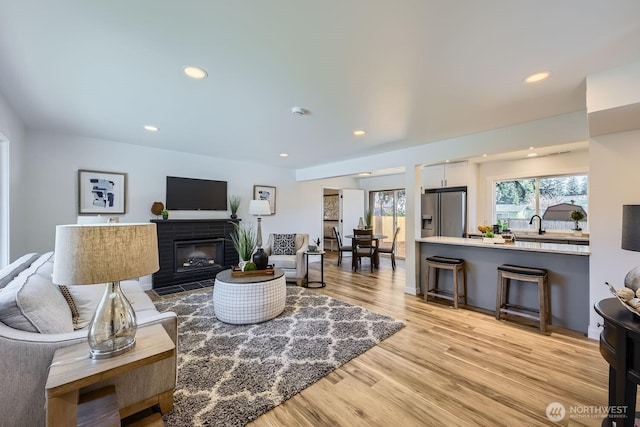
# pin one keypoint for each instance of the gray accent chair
(294, 266)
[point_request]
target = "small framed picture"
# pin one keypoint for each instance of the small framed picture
(101, 192)
(265, 192)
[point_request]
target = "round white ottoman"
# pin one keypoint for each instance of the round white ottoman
(254, 299)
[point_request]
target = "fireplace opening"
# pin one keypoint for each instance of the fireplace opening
(191, 255)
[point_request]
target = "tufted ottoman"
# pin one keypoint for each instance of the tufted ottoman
(243, 300)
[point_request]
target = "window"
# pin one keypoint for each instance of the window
(388, 210)
(551, 197)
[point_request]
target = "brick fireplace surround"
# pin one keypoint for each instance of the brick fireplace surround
(172, 230)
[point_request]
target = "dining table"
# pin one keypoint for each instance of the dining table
(376, 238)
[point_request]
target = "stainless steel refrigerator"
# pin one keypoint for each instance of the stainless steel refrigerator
(444, 212)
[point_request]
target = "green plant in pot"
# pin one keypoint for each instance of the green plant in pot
(244, 239)
(234, 204)
(165, 214)
(576, 217)
(368, 218)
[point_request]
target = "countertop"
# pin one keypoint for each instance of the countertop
(559, 248)
(545, 236)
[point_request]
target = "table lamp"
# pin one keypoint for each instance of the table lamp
(631, 241)
(106, 253)
(260, 208)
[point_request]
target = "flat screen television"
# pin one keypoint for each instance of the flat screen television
(190, 194)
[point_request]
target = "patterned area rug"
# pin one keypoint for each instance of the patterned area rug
(229, 375)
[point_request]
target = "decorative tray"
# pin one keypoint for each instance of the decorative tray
(236, 272)
(627, 306)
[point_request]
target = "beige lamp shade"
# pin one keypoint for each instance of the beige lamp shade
(100, 253)
(259, 207)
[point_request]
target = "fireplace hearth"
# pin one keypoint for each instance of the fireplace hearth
(193, 250)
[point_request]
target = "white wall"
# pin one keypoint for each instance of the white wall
(614, 176)
(49, 191)
(488, 172)
(384, 182)
(13, 131)
(613, 88)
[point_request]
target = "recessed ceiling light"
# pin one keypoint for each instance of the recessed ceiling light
(447, 161)
(364, 174)
(537, 77)
(359, 132)
(532, 154)
(284, 155)
(530, 148)
(195, 72)
(151, 128)
(484, 155)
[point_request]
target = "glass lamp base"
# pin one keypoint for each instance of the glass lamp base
(113, 327)
(112, 348)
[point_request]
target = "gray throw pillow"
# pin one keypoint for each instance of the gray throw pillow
(32, 303)
(284, 244)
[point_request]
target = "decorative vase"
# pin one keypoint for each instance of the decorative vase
(165, 216)
(260, 259)
(234, 216)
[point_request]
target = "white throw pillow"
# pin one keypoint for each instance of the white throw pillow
(32, 303)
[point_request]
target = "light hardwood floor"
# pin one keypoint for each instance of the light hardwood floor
(445, 367)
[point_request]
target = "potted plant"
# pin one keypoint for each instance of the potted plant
(165, 214)
(368, 219)
(234, 204)
(244, 240)
(576, 217)
(488, 237)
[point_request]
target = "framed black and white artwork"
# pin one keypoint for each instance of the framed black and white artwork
(101, 192)
(265, 192)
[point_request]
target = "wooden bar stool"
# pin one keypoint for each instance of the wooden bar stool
(540, 276)
(456, 265)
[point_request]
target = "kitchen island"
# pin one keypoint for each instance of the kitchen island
(568, 267)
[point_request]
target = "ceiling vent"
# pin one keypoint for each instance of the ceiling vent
(298, 111)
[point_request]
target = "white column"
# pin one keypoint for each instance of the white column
(413, 179)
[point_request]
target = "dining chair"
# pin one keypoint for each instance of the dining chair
(341, 247)
(363, 247)
(391, 249)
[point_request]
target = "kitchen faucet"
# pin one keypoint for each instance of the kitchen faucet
(540, 230)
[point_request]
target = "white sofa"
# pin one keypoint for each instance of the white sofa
(293, 264)
(36, 319)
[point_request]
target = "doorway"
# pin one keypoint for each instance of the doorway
(330, 217)
(388, 209)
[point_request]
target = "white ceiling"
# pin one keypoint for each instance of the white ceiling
(408, 71)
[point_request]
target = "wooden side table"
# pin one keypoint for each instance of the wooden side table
(73, 369)
(321, 281)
